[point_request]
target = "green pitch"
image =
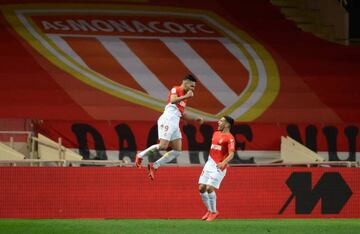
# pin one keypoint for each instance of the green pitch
(141, 226)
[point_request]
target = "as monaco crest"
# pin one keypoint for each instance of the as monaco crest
(139, 53)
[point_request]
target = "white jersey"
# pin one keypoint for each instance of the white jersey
(172, 110)
(177, 108)
(168, 123)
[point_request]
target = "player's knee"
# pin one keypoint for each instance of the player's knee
(176, 148)
(210, 189)
(202, 188)
(163, 147)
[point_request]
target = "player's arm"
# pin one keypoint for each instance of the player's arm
(231, 148)
(191, 118)
(175, 99)
(226, 160)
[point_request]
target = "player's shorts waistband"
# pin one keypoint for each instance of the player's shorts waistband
(171, 109)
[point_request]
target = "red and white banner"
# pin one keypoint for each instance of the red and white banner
(119, 193)
(117, 62)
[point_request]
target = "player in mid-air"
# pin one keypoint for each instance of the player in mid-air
(168, 125)
(221, 152)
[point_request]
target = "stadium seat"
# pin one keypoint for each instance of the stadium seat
(294, 152)
(48, 149)
(7, 153)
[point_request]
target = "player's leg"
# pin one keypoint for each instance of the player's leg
(152, 167)
(214, 183)
(165, 131)
(204, 194)
(175, 137)
(171, 155)
(212, 198)
(164, 134)
(164, 139)
(176, 144)
(144, 153)
(212, 203)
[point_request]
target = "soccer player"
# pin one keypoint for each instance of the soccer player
(168, 125)
(221, 152)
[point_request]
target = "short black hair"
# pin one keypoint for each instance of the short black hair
(229, 120)
(190, 77)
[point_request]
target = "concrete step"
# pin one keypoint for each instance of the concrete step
(306, 15)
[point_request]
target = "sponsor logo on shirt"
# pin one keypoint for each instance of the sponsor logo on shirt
(216, 147)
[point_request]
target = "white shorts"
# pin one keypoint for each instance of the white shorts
(211, 175)
(168, 127)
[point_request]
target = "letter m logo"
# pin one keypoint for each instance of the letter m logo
(331, 189)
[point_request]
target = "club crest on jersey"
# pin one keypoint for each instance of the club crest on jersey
(138, 53)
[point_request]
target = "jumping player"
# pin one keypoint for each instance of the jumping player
(221, 152)
(168, 125)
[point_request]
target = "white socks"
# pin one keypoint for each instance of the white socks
(168, 157)
(212, 201)
(205, 198)
(148, 150)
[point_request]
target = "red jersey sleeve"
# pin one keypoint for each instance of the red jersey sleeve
(178, 91)
(174, 91)
(231, 144)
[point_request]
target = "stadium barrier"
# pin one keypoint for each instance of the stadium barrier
(126, 192)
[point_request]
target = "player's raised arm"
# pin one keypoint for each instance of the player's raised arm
(191, 118)
(175, 99)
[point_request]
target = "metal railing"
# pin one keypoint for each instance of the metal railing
(11, 138)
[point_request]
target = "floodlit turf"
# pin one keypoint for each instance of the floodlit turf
(141, 226)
